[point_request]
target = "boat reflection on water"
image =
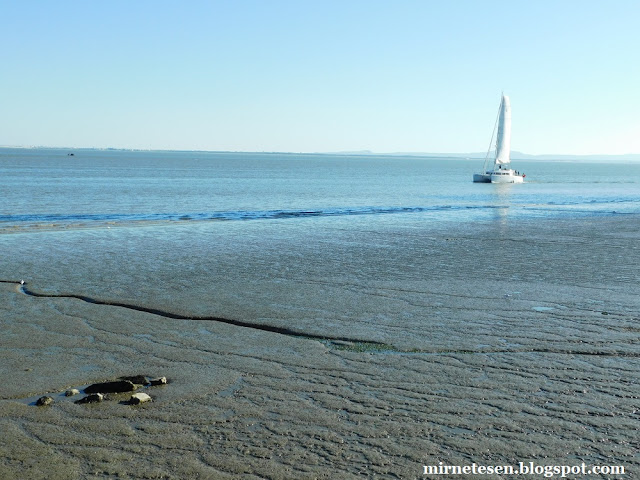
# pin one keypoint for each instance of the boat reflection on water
(501, 199)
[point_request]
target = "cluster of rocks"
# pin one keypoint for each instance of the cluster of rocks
(98, 391)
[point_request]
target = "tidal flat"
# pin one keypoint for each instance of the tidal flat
(401, 344)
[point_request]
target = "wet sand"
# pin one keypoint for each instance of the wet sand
(503, 342)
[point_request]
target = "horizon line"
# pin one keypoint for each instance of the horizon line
(362, 152)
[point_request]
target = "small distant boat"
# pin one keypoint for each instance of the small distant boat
(501, 171)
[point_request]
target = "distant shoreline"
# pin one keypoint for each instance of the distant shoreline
(630, 157)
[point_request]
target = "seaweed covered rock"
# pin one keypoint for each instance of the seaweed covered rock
(119, 386)
(136, 379)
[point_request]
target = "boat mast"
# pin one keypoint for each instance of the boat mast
(493, 135)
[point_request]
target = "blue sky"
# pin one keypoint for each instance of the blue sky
(321, 76)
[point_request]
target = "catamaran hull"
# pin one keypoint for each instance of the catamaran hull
(506, 177)
(499, 177)
(481, 178)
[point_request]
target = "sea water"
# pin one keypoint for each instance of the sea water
(93, 187)
(464, 323)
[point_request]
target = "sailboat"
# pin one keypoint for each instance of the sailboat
(501, 171)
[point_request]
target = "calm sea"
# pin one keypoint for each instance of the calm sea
(46, 187)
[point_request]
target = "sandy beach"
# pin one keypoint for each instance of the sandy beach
(459, 355)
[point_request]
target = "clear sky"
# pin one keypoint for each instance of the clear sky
(321, 75)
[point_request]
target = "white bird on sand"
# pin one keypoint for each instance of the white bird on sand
(21, 282)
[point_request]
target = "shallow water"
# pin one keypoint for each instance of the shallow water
(46, 188)
(500, 336)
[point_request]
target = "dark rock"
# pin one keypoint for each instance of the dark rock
(111, 387)
(137, 379)
(43, 401)
(93, 398)
(158, 381)
(138, 398)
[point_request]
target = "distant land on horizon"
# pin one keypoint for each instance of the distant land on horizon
(515, 155)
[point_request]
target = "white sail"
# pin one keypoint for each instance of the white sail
(503, 141)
